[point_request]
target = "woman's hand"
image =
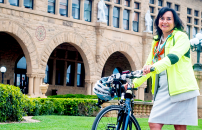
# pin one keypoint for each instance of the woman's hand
(126, 86)
(146, 69)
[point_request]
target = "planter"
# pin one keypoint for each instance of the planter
(44, 88)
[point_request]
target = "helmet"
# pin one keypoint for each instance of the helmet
(103, 89)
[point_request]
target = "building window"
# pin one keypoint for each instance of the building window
(126, 19)
(28, 4)
(70, 74)
(201, 16)
(188, 19)
(188, 11)
(22, 63)
(168, 4)
(46, 78)
(135, 21)
(201, 30)
(160, 3)
(1, 1)
(59, 72)
(196, 13)
(188, 30)
(80, 75)
(116, 12)
(151, 1)
(127, 3)
(117, 1)
(107, 14)
(87, 10)
(136, 5)
(49, 72)
(14, 2)
(177, 7)
(196, 21)
(64, 7)
(151, 9)
(152, 23)
(106, 0)
(51, 6)
(76, 9)
(195, 31)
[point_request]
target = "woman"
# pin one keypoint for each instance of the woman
(173, 82)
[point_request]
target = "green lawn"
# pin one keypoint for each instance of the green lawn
(73, 123)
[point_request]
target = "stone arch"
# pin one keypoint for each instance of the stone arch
(126, 49)
(25, 40)
(78, 42)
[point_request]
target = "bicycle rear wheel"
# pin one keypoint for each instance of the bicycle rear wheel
(112, 118)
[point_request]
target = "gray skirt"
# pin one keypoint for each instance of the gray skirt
(173, 113)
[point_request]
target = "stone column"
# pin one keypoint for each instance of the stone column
(31, 83)
(100, 27)
(88, 87)
(70, 8)
(57, 7)
(121, 18)
(82, 10)
(34, 4)
(131, 20)
(141, 91)
(198, 75)
(92, 85)
(111, 15)
(36, 86)
(6, 2)
(92, 12)
(21, 3)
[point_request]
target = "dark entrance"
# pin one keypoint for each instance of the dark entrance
(20, 78)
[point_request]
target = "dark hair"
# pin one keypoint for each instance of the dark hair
(177, 21)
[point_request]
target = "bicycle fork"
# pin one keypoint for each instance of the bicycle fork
(128, 112)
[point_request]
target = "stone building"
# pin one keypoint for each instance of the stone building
(60, 42)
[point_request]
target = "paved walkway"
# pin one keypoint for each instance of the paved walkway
(26, 119)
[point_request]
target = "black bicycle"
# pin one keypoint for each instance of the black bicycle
(119, 117)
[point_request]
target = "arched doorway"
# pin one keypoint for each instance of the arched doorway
(20, 73)
(10, 54)
(116, 63)
(65, 71)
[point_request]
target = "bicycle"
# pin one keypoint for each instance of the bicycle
(118, 117)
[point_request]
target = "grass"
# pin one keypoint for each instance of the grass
(74, 123)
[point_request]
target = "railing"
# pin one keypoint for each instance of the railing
(140, 109)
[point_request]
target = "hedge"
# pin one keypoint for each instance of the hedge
(61, 106)
(74, 96)
(14, 105)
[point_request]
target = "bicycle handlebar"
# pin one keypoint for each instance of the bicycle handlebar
(127, 74)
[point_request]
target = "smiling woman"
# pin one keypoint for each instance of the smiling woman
(175, 99)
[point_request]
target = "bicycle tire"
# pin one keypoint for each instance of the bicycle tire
(106, 122)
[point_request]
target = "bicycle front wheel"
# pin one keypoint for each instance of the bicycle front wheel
(112, 118)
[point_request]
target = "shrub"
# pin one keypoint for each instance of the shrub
(74, 96)
(11, 103)
(62, 106)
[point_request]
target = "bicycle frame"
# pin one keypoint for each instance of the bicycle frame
(125, 116)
